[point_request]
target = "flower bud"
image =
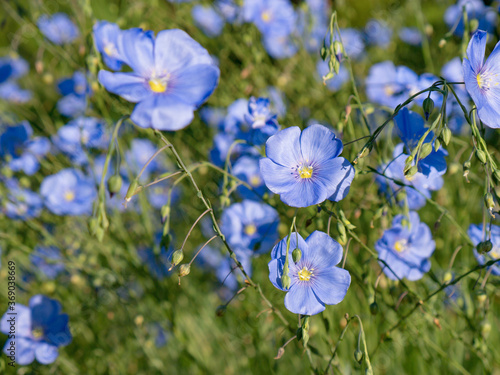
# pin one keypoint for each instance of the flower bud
(488, 201)
(358, 355)
(342, 233)
(114, 184)
(481, 155)
(285, 281)
(411, 172)
(184, 270)
(428, 107)
(177, 257)
(374, 308)
(93, 225)
(338, 50)
(437, 144)
(446, 135)
(484, 247)
(132, 190)
(296, 255)
(323, 53)
(425, 150)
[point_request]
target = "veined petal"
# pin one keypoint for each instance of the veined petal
(129, 86)
(323, 250)
(196, 83)
(336, 177)
(275, 273)
(175, 49)
(318, 144)
(304, 193)
(330, 286)
(278, 179)
(45, 353)
(284, 147)
(137, 48)
(476, 49)
(300, 299)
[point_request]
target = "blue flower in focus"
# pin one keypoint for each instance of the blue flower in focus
(88, 132)
(378, 33)
(21, 203)
(477, 234)
(107, 39)
(305, 167)
(482, 79)
(335, 83)
(246, 168)
(314, 279)
(406, 247)
(75, 91)
(250, 227)
(41, 329)
(420, 185)
(58, 28)
(48, 261)
(171, 76)
(476, 10)
(20, 150)
(208, 20)
(410, 128)
(68, 192)
(411, 36)
(389, 85)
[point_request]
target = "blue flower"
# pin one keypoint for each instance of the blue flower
(11, 92)
(250, 227)
(378, 33)
(40, 329)
(246, 168)
(420, 184)
(212, 116)
(411, 36)
(305, 167)
(68, 192)
(410, 128)
(406, 247)
(20, 150)
(477, 234)
(106, 36)
(158, 264)
(453, 71)
(482, 79)
(312, 25)
(314, 279)
(20, 203)
(476, 10)
(48, 261)
(272, 18)
(259, 114)
(335, 83)
(171, 76)
(229, 10)
(280, 46)
(75, 91)
(12, 68)
(208, 20)
(352, 39)
(58, 28)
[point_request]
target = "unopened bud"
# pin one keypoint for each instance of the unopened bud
(446, 135)
(342, 233)
(428, 107)
(374, 308)
(358, 355)
(338, 50)
(481, 155)
(323, 53)
(184, 270)
(93, 225)
(177, 257)
(296, 255)
(488, 201)
(132, 189)
(411, 172)
(425, 150)
(484, 247)
(39, 66)
(437, 144)
(114, 184)
(285, 281)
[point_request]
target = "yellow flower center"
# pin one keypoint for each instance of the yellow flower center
(305, 171)
(400, 245)
(157, 85)
(250, 229)
(389, 91)
(479, 81)
(305, 274)
(266, 16)
(37, 333)
(110, 50)
(255, 180)
(69, 196)
(495, 252)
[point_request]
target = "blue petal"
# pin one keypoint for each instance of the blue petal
(24, 350)
(129, 86)
(175, 49)
(330, 286)
(319, 144)
(323, 251)
(162, 113)
(284, 147)
(300, 299)
(195, 84)
(22, 321)
(305, 193)
(409, 127)
(278, 179)
(275, 273)
(45, 353)
(43, 310)
(137, 48)
(340, 179)
(475, 50)
(279, 251)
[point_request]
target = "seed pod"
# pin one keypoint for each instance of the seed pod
(177, 257)
(446, 135)
(184, 270)
(488, 201)
(285, 281)
(114, 184)
(481, 155)
(425, 150)
(358, 355)
(411, 172)
(484, 247)
(296, 255)
(374, 308)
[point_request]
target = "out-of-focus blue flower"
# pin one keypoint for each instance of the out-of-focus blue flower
(48, 261)
(259, 114)
(68, 192)
(482, 79)
(411, 36)
(278, 100)
(11, 92)
(276, 17)
(88, 132)
(378, 33)
(410, 128)
(213, 117)
(279, 46)
(314, 279)
(158, 194)
(389, 85)
(305, 167)
(20, 150)
(208, 20)
(20, 203)
(335, 83)
(229, 10)
(423, 184)
(167, 86)
(138, 155)
(352, 39)
(58, 28)
(12, 68)
(406, 248)
(246, 168)
(106, 36)
(476, 10)
(75, 91)
(312, 25)
(41, 329)
(251, 227)
(477, 234)
(158, 264)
